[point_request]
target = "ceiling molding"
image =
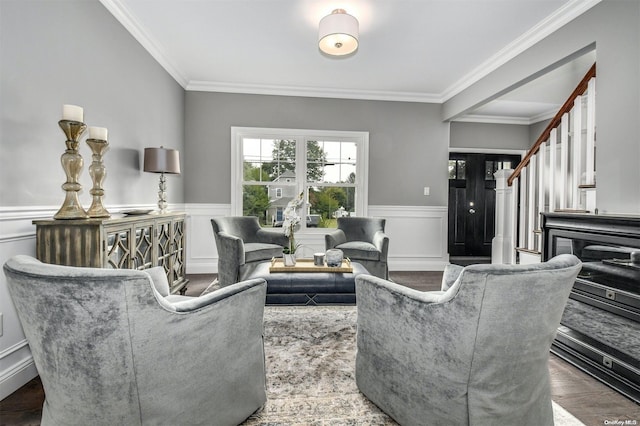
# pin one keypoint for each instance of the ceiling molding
(313, 92)
(544, 116)
(553, 22)
(519, 152)
(505, 119)
(544, 28)
(137, 30)
(493, 119)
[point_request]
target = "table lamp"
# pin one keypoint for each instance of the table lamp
(162, 160)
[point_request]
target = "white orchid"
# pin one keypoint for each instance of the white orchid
(292, 220)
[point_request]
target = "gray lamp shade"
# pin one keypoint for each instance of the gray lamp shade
(161, 160)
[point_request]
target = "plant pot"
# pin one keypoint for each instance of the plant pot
(289, 259)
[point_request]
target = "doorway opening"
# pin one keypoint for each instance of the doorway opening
(472, 202)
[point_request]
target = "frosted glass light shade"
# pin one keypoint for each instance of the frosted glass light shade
(338, 33)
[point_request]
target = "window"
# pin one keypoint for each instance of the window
(271, 166)
(457, 169)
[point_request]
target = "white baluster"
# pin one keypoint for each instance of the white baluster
(576, 149)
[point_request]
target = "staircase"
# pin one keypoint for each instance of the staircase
(557, 174)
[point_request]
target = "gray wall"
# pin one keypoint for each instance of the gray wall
(536, 129)
(613, 27)
(489, 136)
(408, 142)
(75, 52)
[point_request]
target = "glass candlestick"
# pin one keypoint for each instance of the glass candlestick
(72, 165)
(98, 172)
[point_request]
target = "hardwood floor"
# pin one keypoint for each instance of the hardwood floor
(590, 401)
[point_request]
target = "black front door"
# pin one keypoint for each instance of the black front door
(472, 201)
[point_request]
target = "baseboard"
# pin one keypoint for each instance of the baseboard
(399, 265)
(202, 268)
(16, 377)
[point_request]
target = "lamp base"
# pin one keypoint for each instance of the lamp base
(162, 194)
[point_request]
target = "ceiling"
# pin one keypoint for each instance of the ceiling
(410, 50)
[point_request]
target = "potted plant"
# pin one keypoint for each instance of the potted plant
(290, 223)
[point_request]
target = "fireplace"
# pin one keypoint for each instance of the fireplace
(600, 328)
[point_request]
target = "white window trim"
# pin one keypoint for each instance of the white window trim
(362, 168)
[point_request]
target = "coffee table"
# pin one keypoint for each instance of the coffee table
(309, 288)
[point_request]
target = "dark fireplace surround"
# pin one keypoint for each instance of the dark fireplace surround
(600, 328)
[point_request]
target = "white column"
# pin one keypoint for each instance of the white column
(503, 244)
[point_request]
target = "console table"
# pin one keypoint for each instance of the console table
(120, 242)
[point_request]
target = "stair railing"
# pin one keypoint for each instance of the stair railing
(557, 173)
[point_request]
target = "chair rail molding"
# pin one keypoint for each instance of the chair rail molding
(418, 237)
(202, 255)
(18, 236)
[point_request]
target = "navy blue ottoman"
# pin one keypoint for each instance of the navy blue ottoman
(309, 288)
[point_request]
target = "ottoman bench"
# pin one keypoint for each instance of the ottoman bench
(309, 288)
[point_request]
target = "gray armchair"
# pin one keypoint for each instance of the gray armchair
(112, 350)
(474, 353)
(362, 239)
(242, 244)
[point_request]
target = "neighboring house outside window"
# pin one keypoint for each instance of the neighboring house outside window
(267, 165)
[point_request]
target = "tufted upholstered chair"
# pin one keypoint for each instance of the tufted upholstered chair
(474, 353)
(242, 244)
(112, 350)
(362, 239)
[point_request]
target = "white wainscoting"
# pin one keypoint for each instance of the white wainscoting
(18, 236)
(202, 255)
(418, 241)
(417, 234)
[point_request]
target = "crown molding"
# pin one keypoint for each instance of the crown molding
(137, 30)
(313, 92)
(504, 119)
(553, 22)
(493, 119)
(544, 116)
(542, 29)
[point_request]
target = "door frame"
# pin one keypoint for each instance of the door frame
(452, 150)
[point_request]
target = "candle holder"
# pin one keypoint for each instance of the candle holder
(72, 165)
(98, 172)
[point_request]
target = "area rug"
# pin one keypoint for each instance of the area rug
(310, 361)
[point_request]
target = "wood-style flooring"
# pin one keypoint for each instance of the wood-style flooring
(589, 400)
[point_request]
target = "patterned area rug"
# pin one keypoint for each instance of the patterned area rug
(310, 360)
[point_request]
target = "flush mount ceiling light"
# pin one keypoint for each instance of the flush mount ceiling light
(338, 33)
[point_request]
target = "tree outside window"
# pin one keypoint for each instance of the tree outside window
(272, 166)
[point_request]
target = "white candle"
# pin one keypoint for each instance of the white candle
(72, 113)
(98, 133)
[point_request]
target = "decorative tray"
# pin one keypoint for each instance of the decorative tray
(307, 265)
(137, 212)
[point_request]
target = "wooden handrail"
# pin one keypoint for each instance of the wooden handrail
(555, 122)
